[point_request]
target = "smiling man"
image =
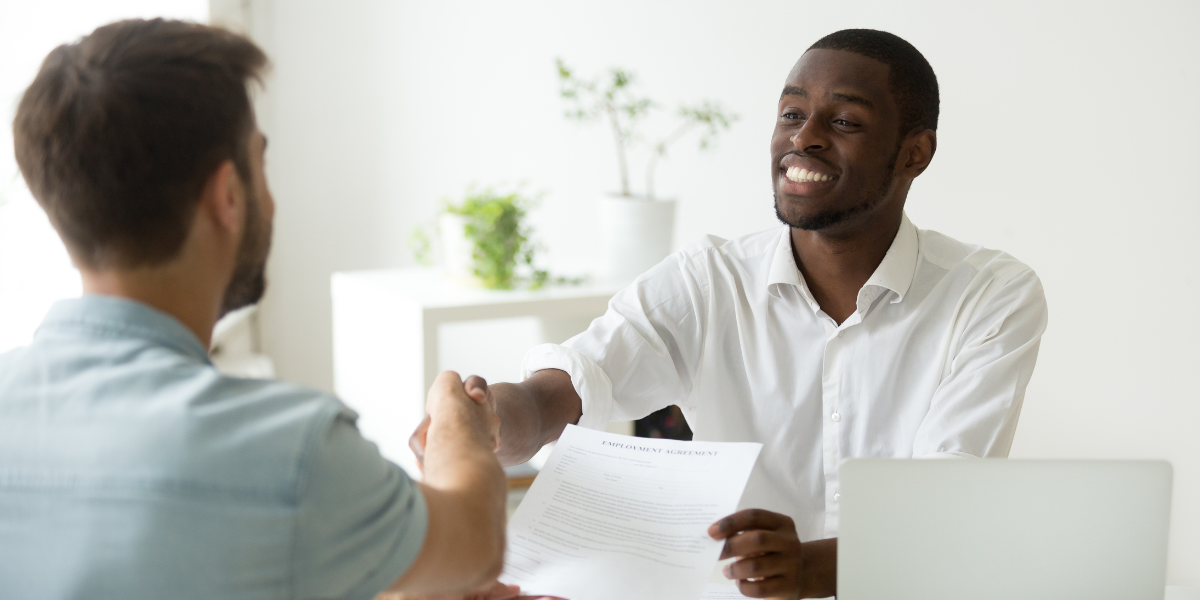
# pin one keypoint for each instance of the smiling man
(847, 333)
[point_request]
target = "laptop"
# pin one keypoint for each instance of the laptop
(1003, 529)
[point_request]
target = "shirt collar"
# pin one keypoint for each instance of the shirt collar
(899, 265)
(110, 314)
(894, 273)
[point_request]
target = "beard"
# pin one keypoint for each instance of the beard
(249, 280)
(831, 218)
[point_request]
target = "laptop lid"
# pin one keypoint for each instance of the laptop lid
(1003, 529)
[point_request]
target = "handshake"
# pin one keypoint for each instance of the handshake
(463, 410)
(465, 494)
(470, 424)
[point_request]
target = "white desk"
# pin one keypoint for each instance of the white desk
(385, 341)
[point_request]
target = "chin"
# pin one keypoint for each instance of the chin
(797, 217)
(243, 292)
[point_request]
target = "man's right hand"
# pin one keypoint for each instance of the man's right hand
(532, 413)
(445, 399)
(464, 490)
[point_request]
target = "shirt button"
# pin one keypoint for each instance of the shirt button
(837, 497)
(836, 417)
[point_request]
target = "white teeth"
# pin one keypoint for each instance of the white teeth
(804, 175)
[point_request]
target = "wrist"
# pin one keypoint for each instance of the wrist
(519, 425)
(818, 568)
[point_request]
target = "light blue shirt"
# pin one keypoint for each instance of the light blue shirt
(130, 468)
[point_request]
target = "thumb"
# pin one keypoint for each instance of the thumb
(476, 388)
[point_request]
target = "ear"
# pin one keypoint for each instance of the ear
(224, 199)
(920, 148)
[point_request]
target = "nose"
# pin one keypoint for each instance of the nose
(811, 137)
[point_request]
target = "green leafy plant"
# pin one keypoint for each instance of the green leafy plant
(613, 97)
(495, 225)
(500, 238)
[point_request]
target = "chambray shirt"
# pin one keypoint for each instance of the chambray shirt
(130, 468)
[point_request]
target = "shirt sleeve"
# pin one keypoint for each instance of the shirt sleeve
(643, 354)
(974, 410)
(361, 520)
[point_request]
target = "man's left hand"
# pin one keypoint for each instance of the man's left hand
(768, 552)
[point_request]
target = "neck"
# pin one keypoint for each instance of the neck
(170, 289)
(837, 264)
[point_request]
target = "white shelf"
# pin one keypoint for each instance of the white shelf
(385, 342)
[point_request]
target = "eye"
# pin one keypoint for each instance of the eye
(792, 116)
(844, 123)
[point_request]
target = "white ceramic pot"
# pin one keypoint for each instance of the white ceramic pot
(458, 261)
(635, 234)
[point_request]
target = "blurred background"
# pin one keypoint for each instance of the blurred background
(1068, 138)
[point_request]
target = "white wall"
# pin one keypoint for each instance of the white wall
(1068, 138)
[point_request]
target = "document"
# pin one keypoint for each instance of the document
(612, 516)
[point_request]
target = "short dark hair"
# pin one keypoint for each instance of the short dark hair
(119, 132)
(910, 77)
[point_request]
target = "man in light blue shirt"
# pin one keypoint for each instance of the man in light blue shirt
(129, 467)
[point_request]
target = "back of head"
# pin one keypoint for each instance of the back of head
(119, 131)
(910, 77)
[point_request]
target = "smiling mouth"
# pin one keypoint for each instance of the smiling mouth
(800, 175)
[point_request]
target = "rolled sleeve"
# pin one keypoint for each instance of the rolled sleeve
(590, 381)
(643, 354)
(361, 520)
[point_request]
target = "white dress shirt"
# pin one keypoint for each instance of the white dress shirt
(934, 361)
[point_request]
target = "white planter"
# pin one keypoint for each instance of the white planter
(635, 235)
(458, 261)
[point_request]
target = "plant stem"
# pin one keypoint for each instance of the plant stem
(614, 120)
(661, 149)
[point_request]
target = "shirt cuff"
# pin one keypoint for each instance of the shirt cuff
(590, 381)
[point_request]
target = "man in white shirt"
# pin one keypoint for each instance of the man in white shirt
(848, 333)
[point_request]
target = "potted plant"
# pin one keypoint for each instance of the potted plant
(635, 230)
(485, 241)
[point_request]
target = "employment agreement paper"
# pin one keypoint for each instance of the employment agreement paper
(612, 516)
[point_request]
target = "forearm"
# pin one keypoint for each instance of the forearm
(465, 492)
(460, 463)
(818, 568)
(534, 413)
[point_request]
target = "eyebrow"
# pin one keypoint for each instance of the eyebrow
(852, 99)
(792, 90)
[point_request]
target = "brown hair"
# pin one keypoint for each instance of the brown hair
(119, 131)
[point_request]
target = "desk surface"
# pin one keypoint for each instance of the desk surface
(429, 287)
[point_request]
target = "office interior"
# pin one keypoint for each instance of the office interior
(1067, 138)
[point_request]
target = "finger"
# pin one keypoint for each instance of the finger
(768, 588)
(448, 383)
(753, 543)
(477, 388)
(500, 591)
(417, 441)
(761, 567)
(745, 520)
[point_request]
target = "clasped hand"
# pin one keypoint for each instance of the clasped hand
(447, 397)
